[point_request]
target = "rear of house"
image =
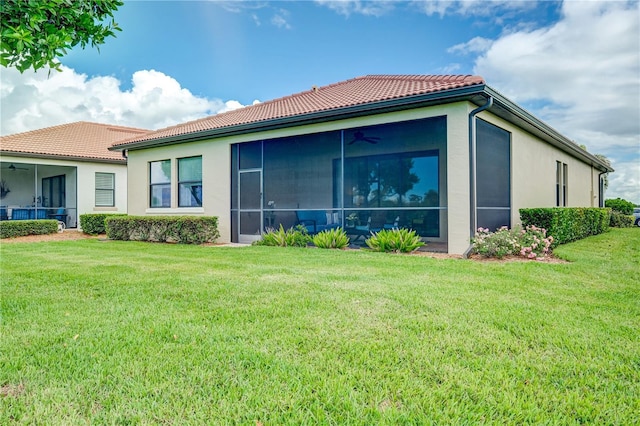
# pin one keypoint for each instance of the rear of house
(64, 171)
(442, 155)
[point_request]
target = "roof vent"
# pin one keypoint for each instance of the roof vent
(314, 88)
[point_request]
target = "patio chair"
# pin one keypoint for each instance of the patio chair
(59, 215)
(315, 220)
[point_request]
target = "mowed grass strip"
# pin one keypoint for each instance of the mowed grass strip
(140, 333)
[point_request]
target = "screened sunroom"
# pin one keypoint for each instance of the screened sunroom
(38, 191)
(361, 179)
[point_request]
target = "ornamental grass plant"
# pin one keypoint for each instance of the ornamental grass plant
(335, 238)
(395, 241)
(292, 237)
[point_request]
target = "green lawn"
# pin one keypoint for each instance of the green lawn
(109, 332)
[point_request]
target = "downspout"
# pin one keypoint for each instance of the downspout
(472, 172)
(124, 154)
(601, 189)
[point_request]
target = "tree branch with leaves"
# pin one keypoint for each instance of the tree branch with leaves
(35, 33)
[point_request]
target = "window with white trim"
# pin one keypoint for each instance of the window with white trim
(190, 182)
(562, 187)
(105, 189)
(160, 184)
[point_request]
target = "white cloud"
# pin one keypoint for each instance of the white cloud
(475, 45)
(471, 7)
(36, 100)
(582, 76)
(364, 7)
(280, 19)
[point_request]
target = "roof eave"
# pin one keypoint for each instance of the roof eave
(63, 157)
(387, 105)
(521, 117)
(502, 107)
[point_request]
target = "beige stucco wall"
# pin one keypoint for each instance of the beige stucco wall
(216, 163)
(532, 174)
(80, 184)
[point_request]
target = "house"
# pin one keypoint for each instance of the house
(63, 171)
(443, 155)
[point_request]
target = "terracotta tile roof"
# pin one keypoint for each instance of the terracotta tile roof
(75, 140)
(357, 91)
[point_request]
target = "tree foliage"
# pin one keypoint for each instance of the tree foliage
(620, 205)
(35, 33)
(605, 160)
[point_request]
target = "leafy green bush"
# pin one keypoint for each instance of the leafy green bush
(94, 223)
(171, 229)
(331, 239)
(395, 241)
(21, 228)
(620, 205)
(292, 237)
(620, 220)
(567, 224)
(531, 242)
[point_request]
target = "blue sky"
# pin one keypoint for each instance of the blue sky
(259, 50)
(574, 64)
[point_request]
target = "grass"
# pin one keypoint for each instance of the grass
(139, 333)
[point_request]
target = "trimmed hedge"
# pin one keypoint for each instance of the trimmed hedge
(620, 220)
(170, 229)
(567, 224)
(94, 223)
(21, 228)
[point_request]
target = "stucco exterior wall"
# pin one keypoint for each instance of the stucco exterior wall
(216, 163)
(80, 184)
(533, 172)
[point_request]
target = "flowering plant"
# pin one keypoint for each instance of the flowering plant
(531, 242)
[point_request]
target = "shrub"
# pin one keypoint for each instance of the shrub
(567, 223)
(171, 229)
(94, 223)
(292, 237)
(331, 239)
(620, 205)
(395, 241)
(621, 220)
(21, 228)
(531, 242)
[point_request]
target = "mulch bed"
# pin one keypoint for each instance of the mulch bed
(71, 234)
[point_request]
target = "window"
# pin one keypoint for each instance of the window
(562, 176)
(105, 189)
(565, 179)
(160, 183)
(190, 182)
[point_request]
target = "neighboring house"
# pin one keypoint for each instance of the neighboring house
(64, 171)
(439, 154)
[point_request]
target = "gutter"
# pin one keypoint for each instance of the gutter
(541, 129)
(502, 107)
(473, 187)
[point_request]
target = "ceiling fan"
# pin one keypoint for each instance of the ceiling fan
(360, 137)
(13, 168)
